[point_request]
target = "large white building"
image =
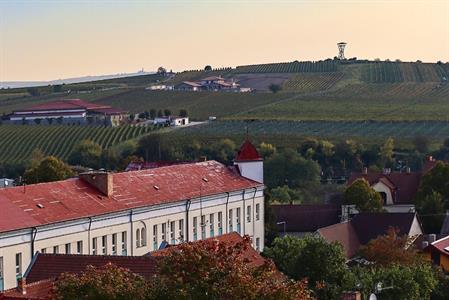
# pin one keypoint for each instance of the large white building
(129, 213)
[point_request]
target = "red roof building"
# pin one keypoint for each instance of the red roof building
(438, 253)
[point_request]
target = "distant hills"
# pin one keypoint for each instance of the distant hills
(21, 84)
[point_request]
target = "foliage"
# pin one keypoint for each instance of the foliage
(414, 282)
(441, 291)
(274, 88)
(183, 113)
(421, 143)
(386, 152)
(214, 270)
(363, 196)
(311, 257)
(167, 112)
(432, 210)
(49, 169)
(207, 68)
(283, 194)
(87, 153)
(390, 249)
(103, 283)
(266, 150)
(290, 168)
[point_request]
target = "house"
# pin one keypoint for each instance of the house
(171, 121)
(128, 213)
(438, 253)
(6, 182)
(298, 219)
(365, 227)
(70, 112)
(44, 270)
(397, 189)
(188, 86)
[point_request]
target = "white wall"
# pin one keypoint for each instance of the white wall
(251, 169)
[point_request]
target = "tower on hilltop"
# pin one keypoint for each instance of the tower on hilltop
(341, 50)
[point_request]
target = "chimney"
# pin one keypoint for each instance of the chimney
(101, 181)
(432, 238)
(408, 170)
(365, 170)
(430, 158)
(21, 286)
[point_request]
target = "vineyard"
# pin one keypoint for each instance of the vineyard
(287, 130)
(290, 67)
(306, 83)
(392, 72)
(19, 141)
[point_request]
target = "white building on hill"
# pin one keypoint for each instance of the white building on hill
(129, 213)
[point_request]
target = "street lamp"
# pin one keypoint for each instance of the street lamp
(282, 223)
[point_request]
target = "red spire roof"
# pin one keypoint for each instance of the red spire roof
(247, 152)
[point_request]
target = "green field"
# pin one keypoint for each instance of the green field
(18, 141)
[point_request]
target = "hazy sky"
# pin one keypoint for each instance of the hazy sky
(43, 40)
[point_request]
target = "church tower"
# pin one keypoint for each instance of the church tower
(249, 162)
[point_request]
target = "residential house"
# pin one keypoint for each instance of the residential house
(70, 112)
(171, 121)
(6, 182)
(128, 213)
(212, 83)
(188, 86)
(299, 219)
(438, 253)
(364, 227)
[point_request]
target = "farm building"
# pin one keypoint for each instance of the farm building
(188, 86)
(71, 112)
(6, 182)
(212, 83)
(171, 121)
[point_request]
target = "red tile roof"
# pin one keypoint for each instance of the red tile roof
(35, 291)
(64, 104)
(306, 217)
(345, 234)
(74, 198)
(441, 245)
(248, 152)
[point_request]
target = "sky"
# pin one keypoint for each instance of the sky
(47, 40)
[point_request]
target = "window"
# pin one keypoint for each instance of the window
(231, 229)
(143, 236)
(68, 248)
(1, 274)
(203, 227)
(79, 247)
(238, 219)
(104, 244)
(154, 237)
(164, 231)
(94, 246)
(257, 212)
(137, 238)
(181, 230)
(114, 244)
(18, 266)
(44, 250)
(172, 232)
(56, 249)
(211, 225)
(248, 213)
(195, 228)
(258, 244)
(220, 223)
(124, 243)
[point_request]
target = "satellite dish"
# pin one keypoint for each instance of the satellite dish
(372, 297)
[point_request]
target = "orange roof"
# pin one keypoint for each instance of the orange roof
(64, 104)
(45, 203)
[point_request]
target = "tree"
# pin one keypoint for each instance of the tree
(421, 143)
(363, 196)
(223, 151)
(386, 152)
(290, 168)
(33, 91)
(152, 113)
(212, 269)
(432, 211)
(274, 88)
(57, 88)
(207, 68)
(183, 113)
(266, 150)
(167, 112)
(49, 169)
(311, 257)
(283, 194)
(87, 153)
(160, 114)
(36, 157)
(161, 71)
(390, 249)
(102, 283)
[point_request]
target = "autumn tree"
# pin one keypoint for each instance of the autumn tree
(386, 152)
(214, 269)
(363, 196)
(49, 169)
(390, 248)
(103, 283)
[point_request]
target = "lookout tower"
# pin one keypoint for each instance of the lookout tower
(341, 50)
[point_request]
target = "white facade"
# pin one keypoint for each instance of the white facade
(136, 231)
(252, 169)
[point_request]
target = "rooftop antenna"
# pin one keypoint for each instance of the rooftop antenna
(341, 50)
